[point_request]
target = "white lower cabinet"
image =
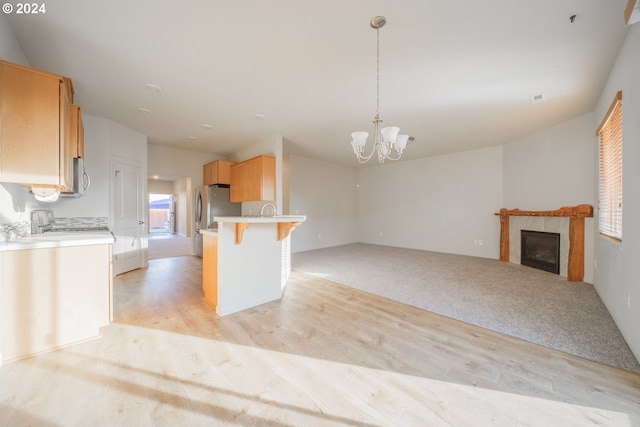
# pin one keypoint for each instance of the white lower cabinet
(53, 297)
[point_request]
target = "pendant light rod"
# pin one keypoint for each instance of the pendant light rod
(377, 23)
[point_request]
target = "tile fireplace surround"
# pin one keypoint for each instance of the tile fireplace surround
(573, 259)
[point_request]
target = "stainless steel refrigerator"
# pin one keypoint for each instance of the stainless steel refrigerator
(211, 201)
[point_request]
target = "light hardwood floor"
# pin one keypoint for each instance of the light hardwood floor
(324, 355)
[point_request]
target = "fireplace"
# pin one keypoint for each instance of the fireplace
(540, 250)
(575, 246)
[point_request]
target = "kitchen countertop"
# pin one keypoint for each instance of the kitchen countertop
(57, 239)
(263, 219)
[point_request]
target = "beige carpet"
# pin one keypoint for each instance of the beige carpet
(169, 245)
(519, 301)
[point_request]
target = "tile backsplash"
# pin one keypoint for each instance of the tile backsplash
(14, 230)
(81, 222)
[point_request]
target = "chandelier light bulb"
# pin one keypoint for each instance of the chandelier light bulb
(401, 143)
(389, 134)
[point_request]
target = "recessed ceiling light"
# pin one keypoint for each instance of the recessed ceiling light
(144, 110)
(206, 126)
(153, 88)
(193, 138)
(259, 116)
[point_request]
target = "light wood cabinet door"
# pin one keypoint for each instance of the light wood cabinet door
(239, 178)
(30, 131)
(254, 180)
(210, 269)
(68, 144)
(54, 297)
(208, 172)
(36, 140)
(217, 172)
(77, 132)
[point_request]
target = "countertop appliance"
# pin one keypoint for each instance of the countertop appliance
(211, 201)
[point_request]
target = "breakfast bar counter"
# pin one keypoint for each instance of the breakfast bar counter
(246, 261)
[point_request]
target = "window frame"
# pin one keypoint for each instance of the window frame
(610, 176)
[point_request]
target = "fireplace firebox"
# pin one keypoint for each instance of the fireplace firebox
(540, 250)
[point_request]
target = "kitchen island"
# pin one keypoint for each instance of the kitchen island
(246, 261)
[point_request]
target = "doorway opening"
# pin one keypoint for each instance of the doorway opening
(162, 213)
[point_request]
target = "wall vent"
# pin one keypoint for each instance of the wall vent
(537, 99)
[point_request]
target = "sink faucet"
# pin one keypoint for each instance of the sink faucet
(273, 208)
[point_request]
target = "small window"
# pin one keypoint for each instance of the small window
(610, 177)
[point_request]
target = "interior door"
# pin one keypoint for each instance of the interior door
(129, 219)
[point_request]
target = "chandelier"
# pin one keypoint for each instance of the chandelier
(386, 141)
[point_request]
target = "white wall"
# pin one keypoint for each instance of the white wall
(172, 163)
(617, 270)
(326, 193)
(126, 143)
(551, 168)
(95, 201)
(160, 186)
(103, 139)
(183, 166)
(15, 201)
(554, 168)
(443, 204)
(10, 49)
(270, 146)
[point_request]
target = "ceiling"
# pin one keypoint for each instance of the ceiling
(455, 75)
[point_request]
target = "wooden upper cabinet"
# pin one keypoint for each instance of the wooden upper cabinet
(36, 138)
(254, 180)
(77, 132)
(67, 148)
(217, 172)
(30, 135)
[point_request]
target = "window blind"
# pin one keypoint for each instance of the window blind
(610, 177)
